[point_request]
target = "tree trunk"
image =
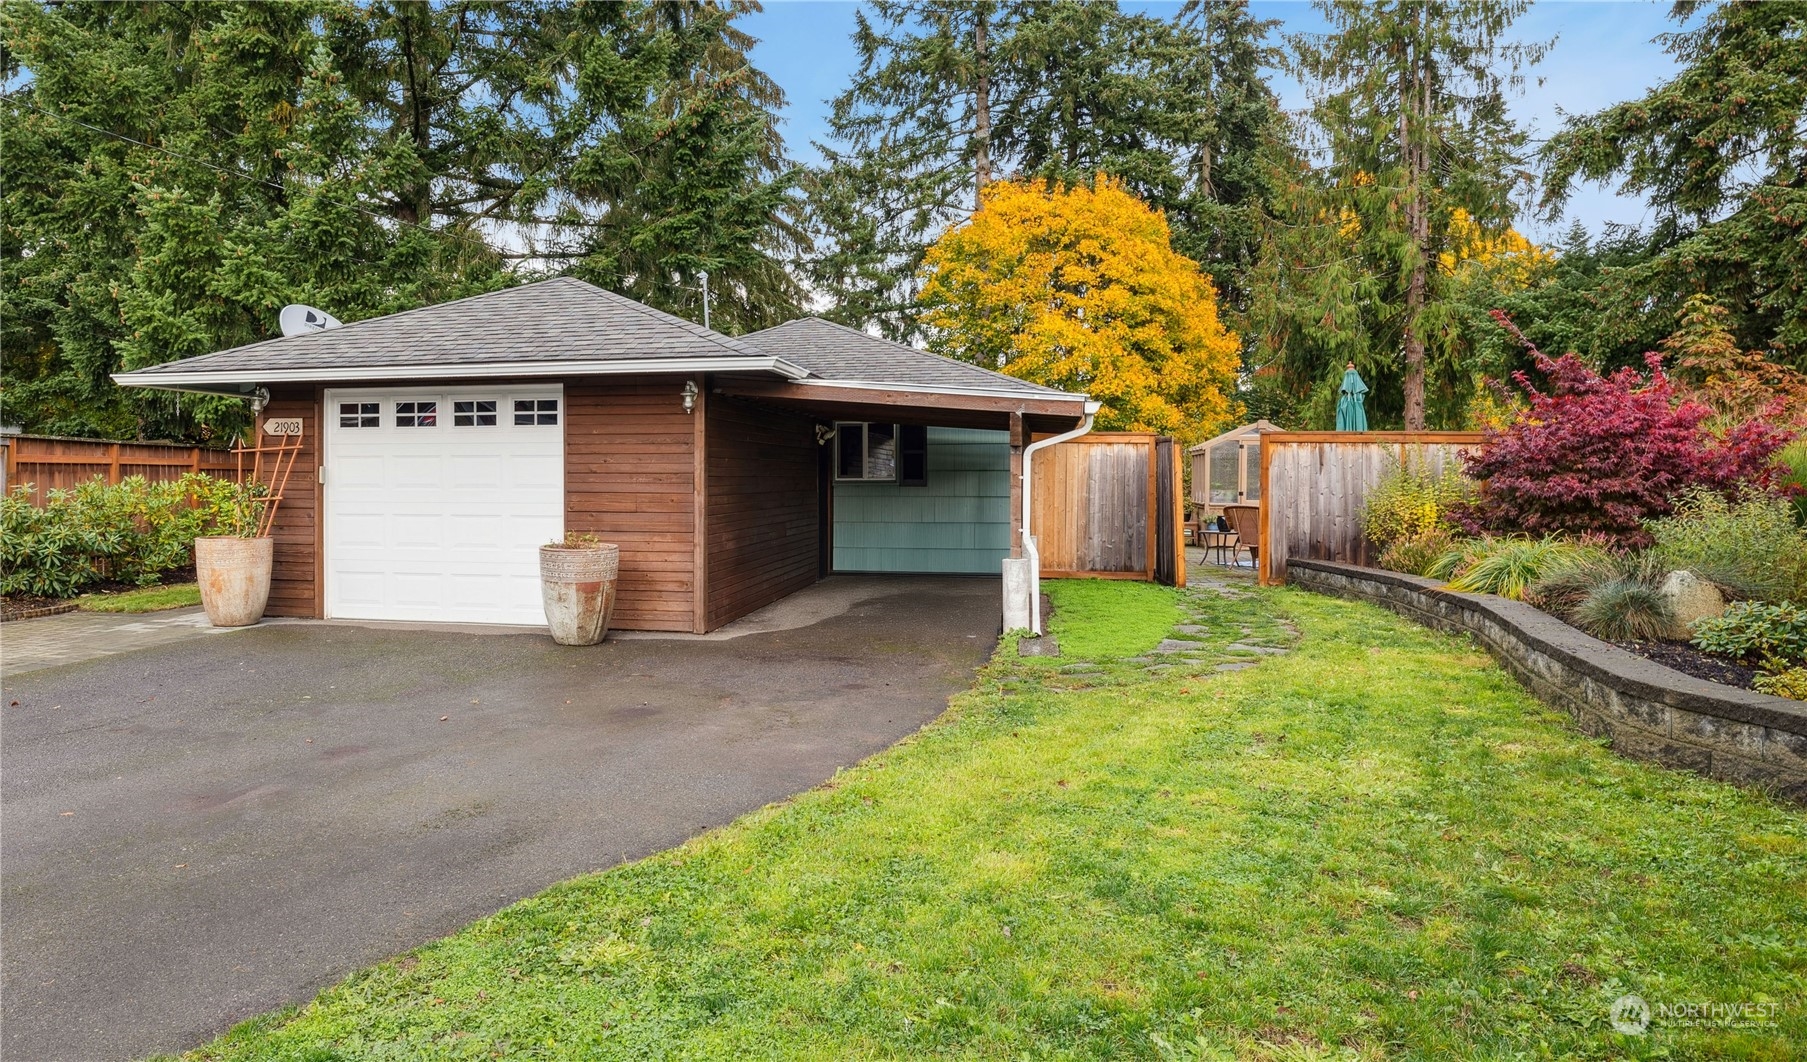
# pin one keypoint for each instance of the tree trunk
(1416, 155)
(417, 197)
(981, 110)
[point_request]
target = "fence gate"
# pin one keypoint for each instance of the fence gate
(1107, 505)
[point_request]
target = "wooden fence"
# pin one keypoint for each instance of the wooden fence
(1107, 505)
(1313, 485)
(48, 463)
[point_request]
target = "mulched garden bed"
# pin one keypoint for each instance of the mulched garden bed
(30, 606)
(25, 606)
(1691, 661)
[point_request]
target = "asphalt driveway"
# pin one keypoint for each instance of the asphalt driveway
(195, 833)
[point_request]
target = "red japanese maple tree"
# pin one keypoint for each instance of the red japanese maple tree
(1599, 455)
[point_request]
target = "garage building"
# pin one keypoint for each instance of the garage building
(442, 446)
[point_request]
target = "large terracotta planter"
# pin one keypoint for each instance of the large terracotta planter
(234, 574)
(577, 584)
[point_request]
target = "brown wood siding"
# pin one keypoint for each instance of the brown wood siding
(763, 505)
(296, 588)
(630, 479)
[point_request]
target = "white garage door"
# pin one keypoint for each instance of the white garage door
(438, 499)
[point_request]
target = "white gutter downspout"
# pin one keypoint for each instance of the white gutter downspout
(1035, 560)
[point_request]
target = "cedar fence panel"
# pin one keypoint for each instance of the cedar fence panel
(1314, 484)
(48, 463)
(1103, 509)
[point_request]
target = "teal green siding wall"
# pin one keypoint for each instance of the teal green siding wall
(959, 522)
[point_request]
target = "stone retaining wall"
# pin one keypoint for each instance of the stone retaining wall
(1648, 711)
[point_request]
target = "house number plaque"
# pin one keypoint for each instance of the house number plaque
(282, 426)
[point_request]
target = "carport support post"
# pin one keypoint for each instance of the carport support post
(1018, 579)
(1019, 438)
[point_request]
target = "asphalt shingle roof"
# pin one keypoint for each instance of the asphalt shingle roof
(567, 320)
(838, 353)
(563, 319)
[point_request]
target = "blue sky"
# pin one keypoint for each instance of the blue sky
(1604, 53)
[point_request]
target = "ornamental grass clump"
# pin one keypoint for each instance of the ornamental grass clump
(1751, 546)
(1506, 566)
(1610, 595)
(1623, 608)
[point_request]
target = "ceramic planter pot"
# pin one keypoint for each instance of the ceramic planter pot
(234, 574)
(577, 584)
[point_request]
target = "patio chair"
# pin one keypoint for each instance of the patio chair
(1245, 520)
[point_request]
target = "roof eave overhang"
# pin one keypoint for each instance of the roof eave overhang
(964, 392)
(242, 381)
(826, 395)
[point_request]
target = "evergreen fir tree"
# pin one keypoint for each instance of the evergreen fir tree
(1409, 103)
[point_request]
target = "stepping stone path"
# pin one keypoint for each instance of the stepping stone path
(1186, 647)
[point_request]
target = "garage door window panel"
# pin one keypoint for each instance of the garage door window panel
(477, 413)
(360, 414)
(536, 411)
(417, 414)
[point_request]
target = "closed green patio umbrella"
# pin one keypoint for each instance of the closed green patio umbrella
(1350, 414)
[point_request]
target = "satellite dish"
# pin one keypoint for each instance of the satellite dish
(299, 320)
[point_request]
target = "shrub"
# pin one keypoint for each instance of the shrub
(1791, 683)
(1415, 556)
(1793, 478)
(1604, 454)
(1757, 633)
(1505, 566)
(1412, 501)
(1751, 547)
(132, 531)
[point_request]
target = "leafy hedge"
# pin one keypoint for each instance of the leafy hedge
(132, 532)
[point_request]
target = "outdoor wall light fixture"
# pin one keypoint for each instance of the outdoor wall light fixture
(690, 393)
(824, 432)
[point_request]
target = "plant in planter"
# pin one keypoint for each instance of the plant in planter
(233, 568)
(577, 584)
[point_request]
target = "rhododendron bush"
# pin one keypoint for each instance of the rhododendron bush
(1600, 455)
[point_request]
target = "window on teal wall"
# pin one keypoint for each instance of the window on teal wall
(865, 451)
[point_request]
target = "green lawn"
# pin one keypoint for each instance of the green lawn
(149, 599)
(1376, 846)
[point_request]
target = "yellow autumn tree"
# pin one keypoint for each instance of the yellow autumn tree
(1080, 288)
(1513, 260)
